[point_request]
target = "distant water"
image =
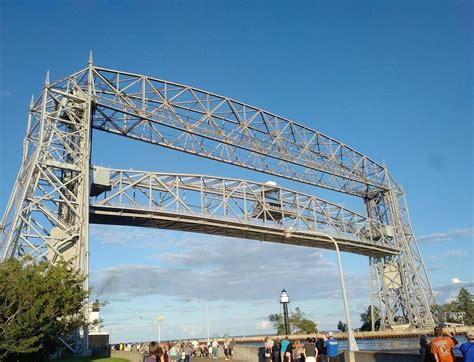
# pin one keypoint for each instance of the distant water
(388, 344)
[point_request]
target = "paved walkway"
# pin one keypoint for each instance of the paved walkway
(198, 359)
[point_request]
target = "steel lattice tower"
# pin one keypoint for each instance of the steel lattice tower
(53, 199)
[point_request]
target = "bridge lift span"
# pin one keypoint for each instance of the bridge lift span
(53, 200)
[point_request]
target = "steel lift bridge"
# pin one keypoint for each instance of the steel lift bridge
(58, 192)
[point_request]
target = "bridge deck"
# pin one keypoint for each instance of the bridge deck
(165, 220)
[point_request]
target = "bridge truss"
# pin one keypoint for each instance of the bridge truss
(53, 201)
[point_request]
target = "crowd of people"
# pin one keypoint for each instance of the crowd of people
(181, 351)
(324, 349)
(440, 349)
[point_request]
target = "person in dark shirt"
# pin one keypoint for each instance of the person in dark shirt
(310, 351)
(289, 353)
(276, 351)
(425, 350)
(322, 351)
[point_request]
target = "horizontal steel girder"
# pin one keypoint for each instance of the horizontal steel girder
(202, 123)
(235, 208)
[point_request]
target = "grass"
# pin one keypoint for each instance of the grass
(94, 359)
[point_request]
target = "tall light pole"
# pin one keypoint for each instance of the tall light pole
(351, 341)
(160, 319)
(207, 315)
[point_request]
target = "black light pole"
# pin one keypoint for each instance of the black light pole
(284, 299)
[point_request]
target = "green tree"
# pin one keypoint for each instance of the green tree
(366, 319)
(38, 304)
(278, 323)
(342, 326)
(298, 323)
(464, 306)
(460, 310)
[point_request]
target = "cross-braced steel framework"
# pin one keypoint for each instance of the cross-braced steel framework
(51, 205)
(237, 208)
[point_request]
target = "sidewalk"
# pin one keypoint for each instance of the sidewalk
(197, 359)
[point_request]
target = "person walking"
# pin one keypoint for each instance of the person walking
(215, 345)
(181, 353)
(165, 347)
(231, 348)
(187, 351)
(226, 348)
(173, 353)
(467, 348)
(332, 347)
(442, 346)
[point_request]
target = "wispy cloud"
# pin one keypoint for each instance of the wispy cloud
(456, 253)
(4, 93)
(448, 292)
(449, 235)
(435, 267)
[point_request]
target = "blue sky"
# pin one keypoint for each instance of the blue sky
(391, 79)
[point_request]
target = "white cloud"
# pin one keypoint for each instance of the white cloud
(455, 253)
(263, 324)
(215, 268)
(456, 281)
(183, 265)
(449, 235)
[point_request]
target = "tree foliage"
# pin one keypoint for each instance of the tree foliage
(464, 304)
(277, 322)
(342, 326)
(38, 304)
(299, 324)
(366, 319)
(461, 310)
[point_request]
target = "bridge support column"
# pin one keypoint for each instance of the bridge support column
(47, 213)
(399, 283)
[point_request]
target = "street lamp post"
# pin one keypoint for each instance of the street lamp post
(351, 341)
(160, 319)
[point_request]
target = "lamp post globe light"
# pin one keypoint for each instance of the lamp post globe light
(285, 299)
(351, 341)
(160, 319)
